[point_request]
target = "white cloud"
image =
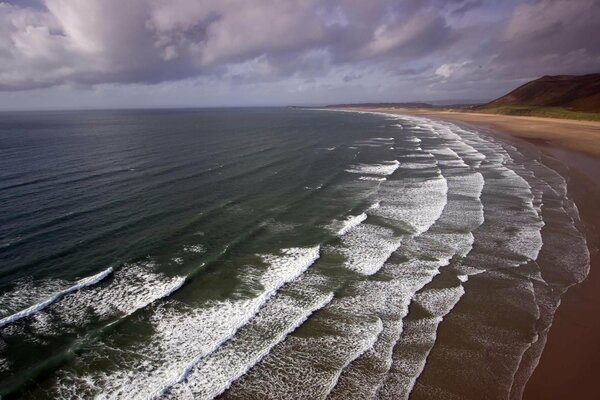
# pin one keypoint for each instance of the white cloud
(315, 45)
(454, 70)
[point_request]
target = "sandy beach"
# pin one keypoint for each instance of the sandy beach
(582, 136)
(569, 365)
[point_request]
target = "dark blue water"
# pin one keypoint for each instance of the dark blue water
(177, 252)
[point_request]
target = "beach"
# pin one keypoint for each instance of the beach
(569, 363)
(577, 135)
(288, 253)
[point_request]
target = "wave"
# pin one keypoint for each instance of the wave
(413, 206)
(80, 284)
(351, 222)
(184, 335)
(448, 237)
(372, 178)
(378, 293)
(364, 346)
(308, 366)
(458, 213)
(522, 223)
(465, 184)
(220, 369)
(383, 169)
(367, 247)
(390, 300)
(354, 220)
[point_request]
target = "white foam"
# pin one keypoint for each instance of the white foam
(372, 178)
(514, 201)
(460, 215)
(390, 300)
(219, 370)
(26, 291)
(133, 287)
(313, 187)
(80, 284)
(408, 278)
(196, 248)
(383, 169)
(417, 205)
(307, 367)
(524, 240)
(375, 206)
(365, 345)
(439, 302)
(367, 247)
(415, 165)
(418, 338)
(375, 142)
(351, 222)
(184, 335)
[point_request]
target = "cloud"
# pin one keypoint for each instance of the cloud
(406, 46)
(150, 41)
(553, 29)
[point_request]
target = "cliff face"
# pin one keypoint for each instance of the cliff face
(573, 92)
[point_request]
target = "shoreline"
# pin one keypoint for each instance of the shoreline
(569, 363)
(576, 135)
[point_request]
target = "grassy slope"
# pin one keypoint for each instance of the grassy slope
(562, 96)
(548, 112)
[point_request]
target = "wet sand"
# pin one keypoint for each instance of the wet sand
(570, 363)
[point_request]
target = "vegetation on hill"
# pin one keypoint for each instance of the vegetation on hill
(576, 93)
(562, 96)
(547, 112)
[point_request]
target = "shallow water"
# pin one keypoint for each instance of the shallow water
(274, 253)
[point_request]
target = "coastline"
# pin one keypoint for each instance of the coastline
(576, 135)
(569, 363)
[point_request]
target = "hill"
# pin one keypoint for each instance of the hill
(562, 96)
(572, 93)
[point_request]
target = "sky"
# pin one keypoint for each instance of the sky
(71, 54)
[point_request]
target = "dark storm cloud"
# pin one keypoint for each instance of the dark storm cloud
(442, 43)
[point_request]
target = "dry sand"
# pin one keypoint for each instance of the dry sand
(570, 363)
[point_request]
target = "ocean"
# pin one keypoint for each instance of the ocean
(275, 254)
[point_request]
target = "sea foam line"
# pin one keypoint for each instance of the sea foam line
(497, 159)
(384, 169)
(354, 220)
(470, 186)
(351, 222)
(366, 346)
(313, 255)
(219, 370)
(182, 340)
(91, 280)
(508, 178)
